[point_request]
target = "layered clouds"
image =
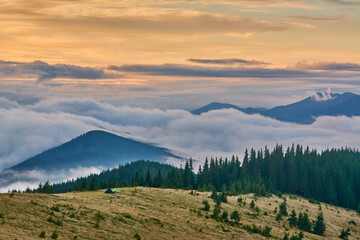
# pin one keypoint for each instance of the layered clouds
(28, 130)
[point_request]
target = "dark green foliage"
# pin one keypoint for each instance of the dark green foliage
(42, 234)
(158, 180)
(1, 215)
(286, 236)
(137, 236)
(299, 236)
(223, 197)
(352, 222)
(304, 222)
(99, 216)
(240, 201)
(283, 209)
(47, 188)
(130, 174)
(235, 215)
(331, 176)
(206, 205)
(266, 231)
(57, 222)
(225, 216)
(216, 211)
(293, 221)
(345, 233)
(54, 235)
(252, 204)
(319, 225)
(55, 208)
(278, 217)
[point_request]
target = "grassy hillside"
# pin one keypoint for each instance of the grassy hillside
(153, 214)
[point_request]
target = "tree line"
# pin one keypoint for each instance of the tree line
(330, 176)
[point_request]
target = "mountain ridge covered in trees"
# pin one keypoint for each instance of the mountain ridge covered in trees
(331, 176)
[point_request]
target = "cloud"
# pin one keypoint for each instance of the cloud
(315, 18)
(46, 72)
(346, 3)
(329, 66)
(11, 179)
(199, 71)
(29, 130)
(230, 61)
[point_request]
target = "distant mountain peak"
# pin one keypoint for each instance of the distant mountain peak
(324, 96)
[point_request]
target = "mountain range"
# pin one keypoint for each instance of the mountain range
(302, 112)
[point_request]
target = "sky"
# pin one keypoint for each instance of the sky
(179, 54)
(136, 67)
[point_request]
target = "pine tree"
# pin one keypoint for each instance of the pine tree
(158, 180)
(283, 208)
(235, 216)
(92, 184)
(319, 225)
(293, 219)
(304, 222)
(148, 181)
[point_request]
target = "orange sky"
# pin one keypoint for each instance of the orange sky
(136, 37)
(98, 33)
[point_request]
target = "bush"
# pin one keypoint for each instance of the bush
(224, 216)
(206, 205)
(235, 215)
(345, 233)
(1, 215)
(266, 232)
(54, 235)
(42, 234)
(98, 216)
(252, 204)
(55, 208)
(278, 217)
(137, 236)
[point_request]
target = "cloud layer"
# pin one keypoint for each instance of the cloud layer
(28, 130)
(46, 72)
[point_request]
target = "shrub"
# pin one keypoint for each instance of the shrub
(235, 215)
(278, 217)
(42, 234)
(345, 233)
(54, 235)
(55, 208)
(224, 216)
(137, 236)
(206, 205)
(252, 204)
(98, 216)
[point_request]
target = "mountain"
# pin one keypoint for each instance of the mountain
(216, 106)
(304, 111)
(94, 148)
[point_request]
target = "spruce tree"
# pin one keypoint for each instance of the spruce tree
(148, 181)
(293, 219)
(319, 225)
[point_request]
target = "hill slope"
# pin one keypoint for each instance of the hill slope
(304, 111)
(94, 148)
(153, 214)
